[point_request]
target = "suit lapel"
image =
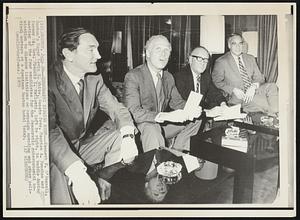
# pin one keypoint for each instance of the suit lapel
(165, 89)
(232, 63)
(89, 96)
(151, 85)
(69, 93)
(190, 78)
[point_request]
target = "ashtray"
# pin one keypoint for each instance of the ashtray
(232, 132)
(169, 172)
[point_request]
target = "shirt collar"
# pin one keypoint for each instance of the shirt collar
(153, 73)
(74, 79)
(195, 75)
(237, 57)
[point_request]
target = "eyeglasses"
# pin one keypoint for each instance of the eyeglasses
(200, 59)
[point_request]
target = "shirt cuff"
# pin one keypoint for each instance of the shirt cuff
(74, 168)
(127, 130)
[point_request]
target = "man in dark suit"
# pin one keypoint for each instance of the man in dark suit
(75, 95)
(239, 77)
(149, 91)
(196, 77)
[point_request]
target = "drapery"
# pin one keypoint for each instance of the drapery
(267, 57)
(176, 28)
(182, 32)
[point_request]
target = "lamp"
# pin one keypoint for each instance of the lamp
(212, 33)
(117, 42)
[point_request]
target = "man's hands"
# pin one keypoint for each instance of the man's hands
(216, 111)
(128, 149)
(194, 113)
(84, 188)
(179, 115)
(105, 188)
(238, 93)
(250, 94)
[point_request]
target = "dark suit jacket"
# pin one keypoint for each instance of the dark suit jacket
(139, 94)
(69, 123)
(185, 84)
(226, 75)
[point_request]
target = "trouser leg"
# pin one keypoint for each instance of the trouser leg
(60, 192)
(183, 133)
(151, 136)
(104, 146)
(265, 99)
(271, 92)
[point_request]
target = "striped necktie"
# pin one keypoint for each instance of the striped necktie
(198, 83)
(81, 87)
(244, 75)
(159, 92)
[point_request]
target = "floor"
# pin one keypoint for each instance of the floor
(265, 185)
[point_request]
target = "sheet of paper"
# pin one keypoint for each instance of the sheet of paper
(232, 112)
(193, 101)
(191, 162)
(214, 112)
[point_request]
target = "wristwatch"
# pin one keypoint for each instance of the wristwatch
(128, 135)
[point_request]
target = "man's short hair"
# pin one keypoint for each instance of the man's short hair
(203, 49)
(150, 197)
(70, 40)
(149, 42)
(234, 35)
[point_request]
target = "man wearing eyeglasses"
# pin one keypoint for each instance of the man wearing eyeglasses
(196, 77)
(237, 74)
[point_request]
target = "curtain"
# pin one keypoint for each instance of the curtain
(182, 32)
(176, 28)
(267, 56)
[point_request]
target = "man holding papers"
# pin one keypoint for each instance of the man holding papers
(196, 77)
(149, 91)
(238, 76)
(74, 96)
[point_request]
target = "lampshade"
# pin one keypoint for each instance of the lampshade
(117, 42)
(212, 33)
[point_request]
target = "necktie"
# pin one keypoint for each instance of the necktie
(159, 92)
(244, 75)
(198, 84)
(81, 87)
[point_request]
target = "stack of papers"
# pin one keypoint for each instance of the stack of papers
(239, 144)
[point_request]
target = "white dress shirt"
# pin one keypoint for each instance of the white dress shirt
(154, 75)
(196, 82)
(74, 79)
(236, 59)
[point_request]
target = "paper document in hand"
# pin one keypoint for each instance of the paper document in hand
(193, 101)
(231, 113)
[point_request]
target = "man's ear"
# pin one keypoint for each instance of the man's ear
(228, 45)
(68, 54)
(190, 59)
(147, 53)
